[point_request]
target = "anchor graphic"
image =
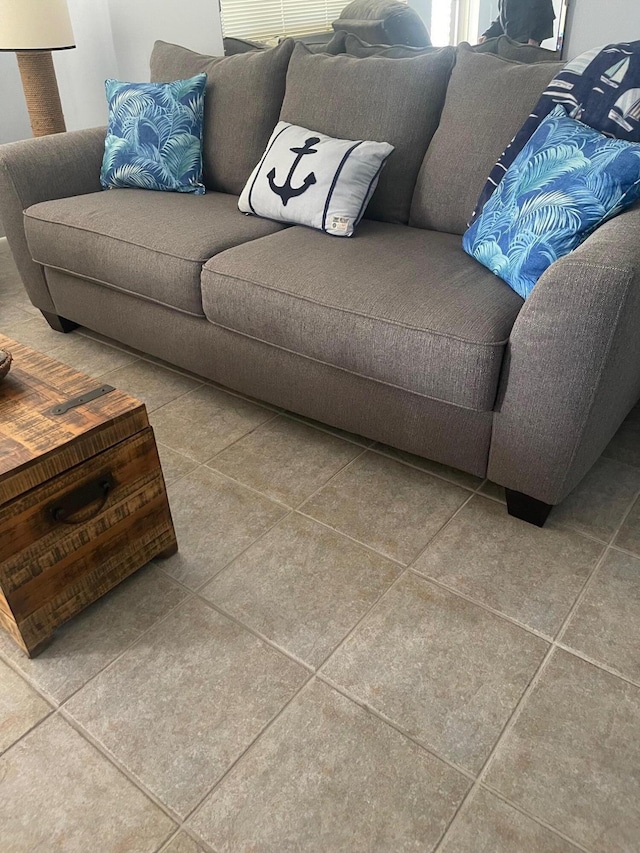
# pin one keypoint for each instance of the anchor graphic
(288, 191)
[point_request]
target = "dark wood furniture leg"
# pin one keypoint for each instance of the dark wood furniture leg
(60, 324)
(526, 508)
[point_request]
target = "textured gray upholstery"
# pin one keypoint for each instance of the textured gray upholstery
(396, 304)
(397, 102)
(573, 371)
(449, 434)
(242, 102)
(487, 101)
(57, 166)
(152, 244)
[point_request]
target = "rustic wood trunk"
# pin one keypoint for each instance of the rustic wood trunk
(82, 497)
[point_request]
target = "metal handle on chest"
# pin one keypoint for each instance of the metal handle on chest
(72, 503)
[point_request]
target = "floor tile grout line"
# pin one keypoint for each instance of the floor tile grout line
(289, 512)
(441, 529)
(589, 581)
(624, 551)
(164, 846)
(365, 443)
(39, 690)
(560, 525)
(506, 729)
(50, 713)
(205, 384)
(308, 680)
(352, 539)
(381, 553)
(408, 464)
(535, 632)
(517, 807)
(133, 643)
(374, 712)
(598, 664)
(251, 489)
(355, 627)
(212, 605)
(119, 765)
(57, 704)
(515, 715)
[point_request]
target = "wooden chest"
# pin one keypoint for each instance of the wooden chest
(82, 497)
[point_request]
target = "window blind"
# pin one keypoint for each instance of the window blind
(269, 19)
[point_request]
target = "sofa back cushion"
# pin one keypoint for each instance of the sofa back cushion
(507, 48)
(355, 46)
(397, 101)
(383, 21)
(487, 101)
(242, 102)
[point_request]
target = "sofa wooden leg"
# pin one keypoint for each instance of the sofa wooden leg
(526, 508)
(60, 324)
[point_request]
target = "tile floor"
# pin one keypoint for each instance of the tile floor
(354, 650)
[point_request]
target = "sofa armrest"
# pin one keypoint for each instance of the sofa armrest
(572, 368)
(43, 169)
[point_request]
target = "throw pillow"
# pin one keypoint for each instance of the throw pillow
(566, 181)
(154, 135)
(599, 88)
(308, 178)
(397, 101)
(243, 99)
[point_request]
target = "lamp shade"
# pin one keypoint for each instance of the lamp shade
(35, 25)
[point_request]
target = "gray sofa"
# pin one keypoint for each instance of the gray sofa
(395, 334)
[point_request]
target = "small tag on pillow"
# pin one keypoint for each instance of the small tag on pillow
(339, 224)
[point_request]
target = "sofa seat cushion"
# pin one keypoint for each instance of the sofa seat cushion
(400, 305)
(147, 243)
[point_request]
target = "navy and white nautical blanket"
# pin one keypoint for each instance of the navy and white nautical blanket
(600, 88)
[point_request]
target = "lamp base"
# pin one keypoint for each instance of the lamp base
(41, 92)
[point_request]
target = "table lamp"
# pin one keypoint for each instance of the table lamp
(32, 29)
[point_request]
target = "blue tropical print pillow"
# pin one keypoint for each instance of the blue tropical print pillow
(566, 181)
(154, 136)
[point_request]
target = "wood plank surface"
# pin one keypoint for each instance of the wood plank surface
(35, 445)
(49, 570)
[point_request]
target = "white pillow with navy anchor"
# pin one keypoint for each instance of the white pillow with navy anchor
(308, 178)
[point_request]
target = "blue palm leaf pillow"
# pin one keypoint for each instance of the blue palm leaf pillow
(154, 136)
(566, 181)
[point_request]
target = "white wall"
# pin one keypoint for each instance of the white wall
(81, 72)
(114, 39)
(598, 22)
(136, 24)
(14, 120)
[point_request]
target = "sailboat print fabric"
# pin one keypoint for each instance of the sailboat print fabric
(600, 88)
(567, 180)
(154, 136)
